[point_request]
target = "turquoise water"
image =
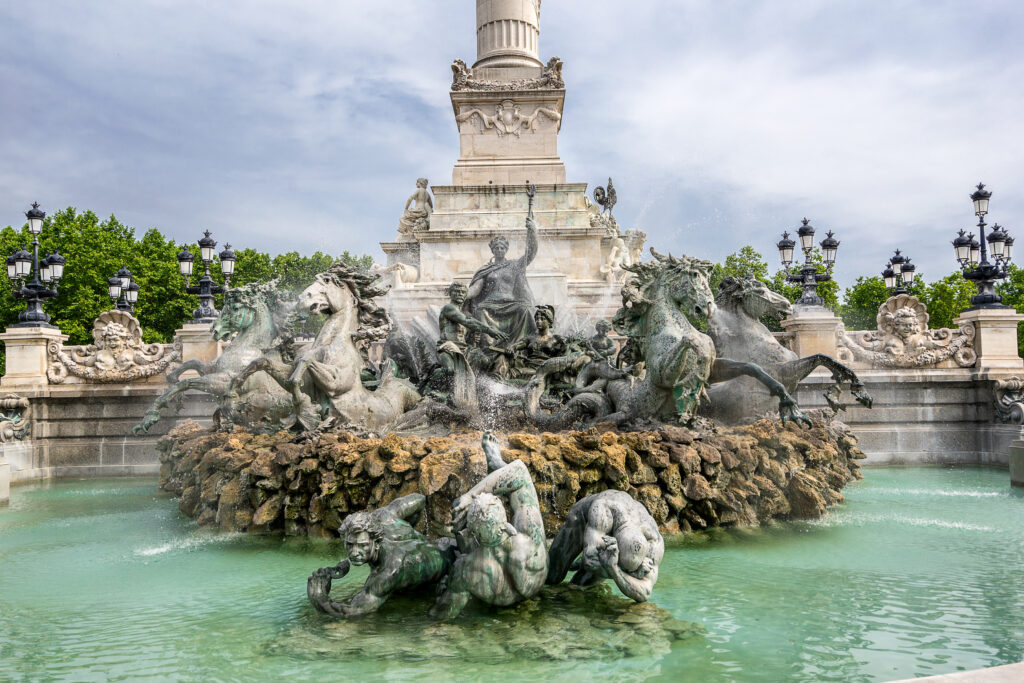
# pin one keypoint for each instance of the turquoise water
(920, 572)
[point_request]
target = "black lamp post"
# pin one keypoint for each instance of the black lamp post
(21, 264)
(123, 289)
(973, 256)
(808, 276)
(898, 274)
(206, 287)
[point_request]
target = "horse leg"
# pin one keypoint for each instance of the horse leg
(192, 364)
(794, 371)
(153, 414)
(725, 369)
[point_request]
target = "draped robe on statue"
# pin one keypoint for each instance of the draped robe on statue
(500, 296)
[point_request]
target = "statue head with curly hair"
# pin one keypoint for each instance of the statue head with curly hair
(499, 247)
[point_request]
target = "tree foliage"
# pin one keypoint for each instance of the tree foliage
(96, 249)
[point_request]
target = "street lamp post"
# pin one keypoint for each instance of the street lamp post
(206, 288)
(21, 264)
(808, 276)
(123, 289)
(972, 254)
(898, 274)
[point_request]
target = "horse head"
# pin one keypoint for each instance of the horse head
(752, 297)
(347, 291)
(326, 295)
(246, 306)
(686, 282)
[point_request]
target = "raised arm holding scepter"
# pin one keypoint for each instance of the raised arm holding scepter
(499, 294)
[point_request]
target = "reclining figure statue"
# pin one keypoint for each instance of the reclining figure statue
(500, 563)
(613, 537)
(400, 558)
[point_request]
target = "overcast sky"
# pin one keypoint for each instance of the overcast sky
(304, 124)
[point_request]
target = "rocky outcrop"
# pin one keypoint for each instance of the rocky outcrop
(687, 479)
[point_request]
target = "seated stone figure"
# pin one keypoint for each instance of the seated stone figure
(500, 563)
(457, 359)
(614, 538)
(418, 216)
(400, 558)
(601, 346)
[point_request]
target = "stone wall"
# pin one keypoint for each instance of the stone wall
(85, 430)
(923, 416)
(686, 479)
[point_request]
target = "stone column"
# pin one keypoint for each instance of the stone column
(197, 342)
(813, 329)
(26, 354)
(996, 337)
(507, 33)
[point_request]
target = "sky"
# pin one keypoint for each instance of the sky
(303, 125)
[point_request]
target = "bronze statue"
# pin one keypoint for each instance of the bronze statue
(499, 294)
(400, 558)
(456, 358)
(614, 538)
(500, 563)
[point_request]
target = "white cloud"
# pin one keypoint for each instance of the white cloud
(722, 123)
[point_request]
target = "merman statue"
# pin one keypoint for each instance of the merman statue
(614, 538)
(400, 558)
(500, 563)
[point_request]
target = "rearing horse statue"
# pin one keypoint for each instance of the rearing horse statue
(659, 303)
(253, 319)
(324, 379)
(738, 333)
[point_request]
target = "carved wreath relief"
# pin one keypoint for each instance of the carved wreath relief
(903, 339)
(117, 353)
(550, 79)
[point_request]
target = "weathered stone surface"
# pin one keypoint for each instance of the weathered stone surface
(687, 480)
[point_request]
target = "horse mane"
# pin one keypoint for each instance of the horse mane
(638, 292)
(277, 301)
(374, 322)
(732, 290)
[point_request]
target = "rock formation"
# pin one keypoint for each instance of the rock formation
(687, 479)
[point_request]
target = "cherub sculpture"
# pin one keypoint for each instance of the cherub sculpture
(400, 558)
(614, 538)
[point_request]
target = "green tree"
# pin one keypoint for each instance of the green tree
(947, 298)
(745, 263)
(861, 301)
(1012, 291)
(95, 250)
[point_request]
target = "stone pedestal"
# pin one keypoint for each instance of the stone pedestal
(508, 137)
(26, 354)
(813, 329)
(1017, 462)
(996, 337)
(197, 342)
(5, 483)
